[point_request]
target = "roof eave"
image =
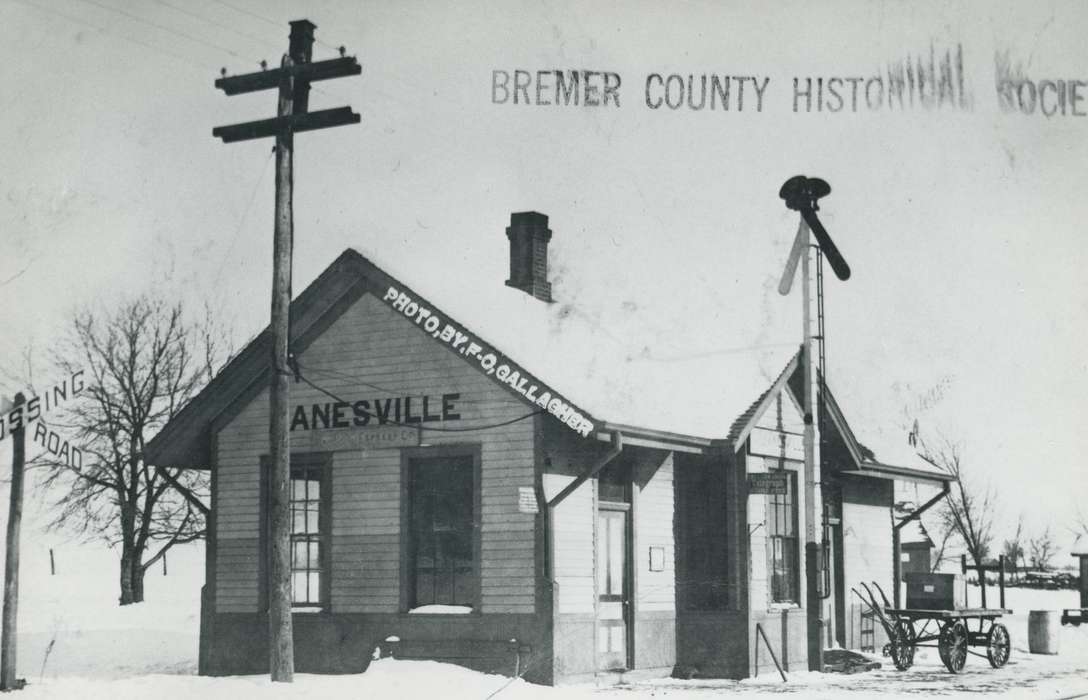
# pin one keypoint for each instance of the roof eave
(658, 439)
(890, 471)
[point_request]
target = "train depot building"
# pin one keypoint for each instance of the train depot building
(472, 485)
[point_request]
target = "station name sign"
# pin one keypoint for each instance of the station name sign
(771, 483)
(490, 361)
(397, 411)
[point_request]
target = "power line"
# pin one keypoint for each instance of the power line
(219, 25)
(251, 14)
(123, 37)
(245, 215)
(342, 376)
(137, 18)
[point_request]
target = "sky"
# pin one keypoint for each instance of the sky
(961, 214)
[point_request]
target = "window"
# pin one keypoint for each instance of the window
(442, 547)
(310, 522)
(782, 539)
(309, 530)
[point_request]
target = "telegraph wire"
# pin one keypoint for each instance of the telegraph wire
(336, 375)
(123, 37)
(267, 20)
(245, 216)
(201, 18)
(137, 18)
(420, 426)
(250, 14)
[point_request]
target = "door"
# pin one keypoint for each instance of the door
(613, 588)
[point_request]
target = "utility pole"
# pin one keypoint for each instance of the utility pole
(11, 563)
(293, 79)
(801, 195)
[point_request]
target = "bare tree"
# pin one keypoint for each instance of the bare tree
(1013, 549)
(968, 512)
(945, 536)
(1041, 550)
(141, 362)
(1080, 523)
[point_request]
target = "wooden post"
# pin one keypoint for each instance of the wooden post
(11, 563)
(813, 493)
(293, 79)
(1001, 579)
(897, 567)
(280, 633)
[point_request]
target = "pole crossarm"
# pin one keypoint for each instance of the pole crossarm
(309, 121)
(309, 72)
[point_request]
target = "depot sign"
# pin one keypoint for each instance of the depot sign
(491, 362)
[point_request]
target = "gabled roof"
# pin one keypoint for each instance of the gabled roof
(604, 367)
(742, 426)
(889, 461)
(696, 400)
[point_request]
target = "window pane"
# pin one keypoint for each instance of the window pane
(462, 592)
(441, 516)
(424, 587)
(307, 555)
(602, 559)
(615, 554)
(298, 587)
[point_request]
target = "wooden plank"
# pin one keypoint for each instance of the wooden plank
(268, 79)
(264, 128)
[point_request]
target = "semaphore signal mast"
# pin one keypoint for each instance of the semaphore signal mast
(801, 194)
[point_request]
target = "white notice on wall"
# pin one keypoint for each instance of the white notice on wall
(527, 500)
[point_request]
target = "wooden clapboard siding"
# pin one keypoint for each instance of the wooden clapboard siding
(573, 543)
(867, 532)
(371, 345)
(654, 528)
(236, 566)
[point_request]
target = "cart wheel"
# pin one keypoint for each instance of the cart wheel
(901, 645)
(997, 647)
(952, 646)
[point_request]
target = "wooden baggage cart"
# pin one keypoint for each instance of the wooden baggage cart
(950, 631)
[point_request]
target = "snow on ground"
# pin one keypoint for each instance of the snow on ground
(101, 650)
(71, 625)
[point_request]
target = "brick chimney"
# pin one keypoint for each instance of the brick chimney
(529, 235)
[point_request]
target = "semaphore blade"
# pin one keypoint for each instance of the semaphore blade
(791, 262)
(838, 264)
